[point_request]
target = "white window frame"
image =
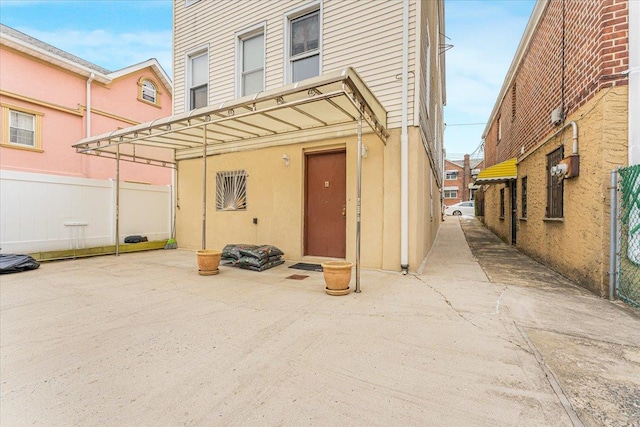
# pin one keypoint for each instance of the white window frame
(150, 87)
(446, 173)
(5, 138)
(454, 196)
(241, 36)
(189, 57)
(290, 16)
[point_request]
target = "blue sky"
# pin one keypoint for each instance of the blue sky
(117, 33)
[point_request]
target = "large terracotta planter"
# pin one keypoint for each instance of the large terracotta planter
(337, 275)
(208, 261)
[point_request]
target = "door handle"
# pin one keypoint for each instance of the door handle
(344, 210)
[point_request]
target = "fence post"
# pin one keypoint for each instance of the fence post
(613, 234)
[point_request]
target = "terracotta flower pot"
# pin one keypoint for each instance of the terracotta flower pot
(337, 275)
(208, 261)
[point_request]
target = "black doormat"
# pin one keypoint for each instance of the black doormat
(306, 266)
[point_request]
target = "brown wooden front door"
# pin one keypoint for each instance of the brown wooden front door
(325, 226)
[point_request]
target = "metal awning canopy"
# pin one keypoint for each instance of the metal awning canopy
(501, 172)
(330, 100)
(333, 101)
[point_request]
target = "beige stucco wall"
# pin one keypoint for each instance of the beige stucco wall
(275, 195)
(578, 246)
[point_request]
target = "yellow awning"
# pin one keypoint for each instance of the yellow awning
(505, 171)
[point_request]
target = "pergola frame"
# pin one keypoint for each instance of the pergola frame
(331, 101)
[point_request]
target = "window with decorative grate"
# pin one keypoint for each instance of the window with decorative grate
(231, 191)
(523, 185)
(555, 186)
(502, 203)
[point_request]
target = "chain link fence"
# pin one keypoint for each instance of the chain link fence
(628, 262)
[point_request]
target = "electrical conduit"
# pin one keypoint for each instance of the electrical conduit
(404, 145)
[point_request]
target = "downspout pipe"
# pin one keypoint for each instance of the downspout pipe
(574, 125)
(404, 145)
(613, 234)
(89, 80)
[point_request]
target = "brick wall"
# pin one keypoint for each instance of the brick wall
(596, 49)
(458, 182)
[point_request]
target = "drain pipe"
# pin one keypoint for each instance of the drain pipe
(404, 145)
(91, 77)
(574, 135)
(613, 234)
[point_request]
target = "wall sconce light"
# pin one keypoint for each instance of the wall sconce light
(285, 159)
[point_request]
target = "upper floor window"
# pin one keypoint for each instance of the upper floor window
(21, 128)
(251, 64)
(499, 129)
(427, 60)
(198, 80)
(450, 175)
(304, 46)
(148, 91)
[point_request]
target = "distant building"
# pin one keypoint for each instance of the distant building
(459, 176)
(53, 198)
(567, 114)
(50, 99)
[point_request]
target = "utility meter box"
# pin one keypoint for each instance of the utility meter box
(556, 116)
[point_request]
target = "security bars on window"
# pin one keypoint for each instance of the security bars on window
(231, 191)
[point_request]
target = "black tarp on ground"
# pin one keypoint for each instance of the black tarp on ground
(17, 263)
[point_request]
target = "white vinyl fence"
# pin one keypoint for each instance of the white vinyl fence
(49, 212)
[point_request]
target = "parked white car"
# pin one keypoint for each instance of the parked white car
(462, 208)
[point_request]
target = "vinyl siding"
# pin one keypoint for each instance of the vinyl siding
(432, 137)
(366, 35)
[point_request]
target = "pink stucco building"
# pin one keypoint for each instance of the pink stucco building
(50, 99)
(52, 198)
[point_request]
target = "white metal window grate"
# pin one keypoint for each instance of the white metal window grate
(231, 191)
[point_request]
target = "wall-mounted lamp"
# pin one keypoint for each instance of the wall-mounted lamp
(285, 159)
(365, 151)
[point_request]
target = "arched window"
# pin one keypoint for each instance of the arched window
(148, 91)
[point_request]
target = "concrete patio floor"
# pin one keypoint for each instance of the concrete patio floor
(143, 340)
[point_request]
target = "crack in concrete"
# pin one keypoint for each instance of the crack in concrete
(553, 381)
(446, 300)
